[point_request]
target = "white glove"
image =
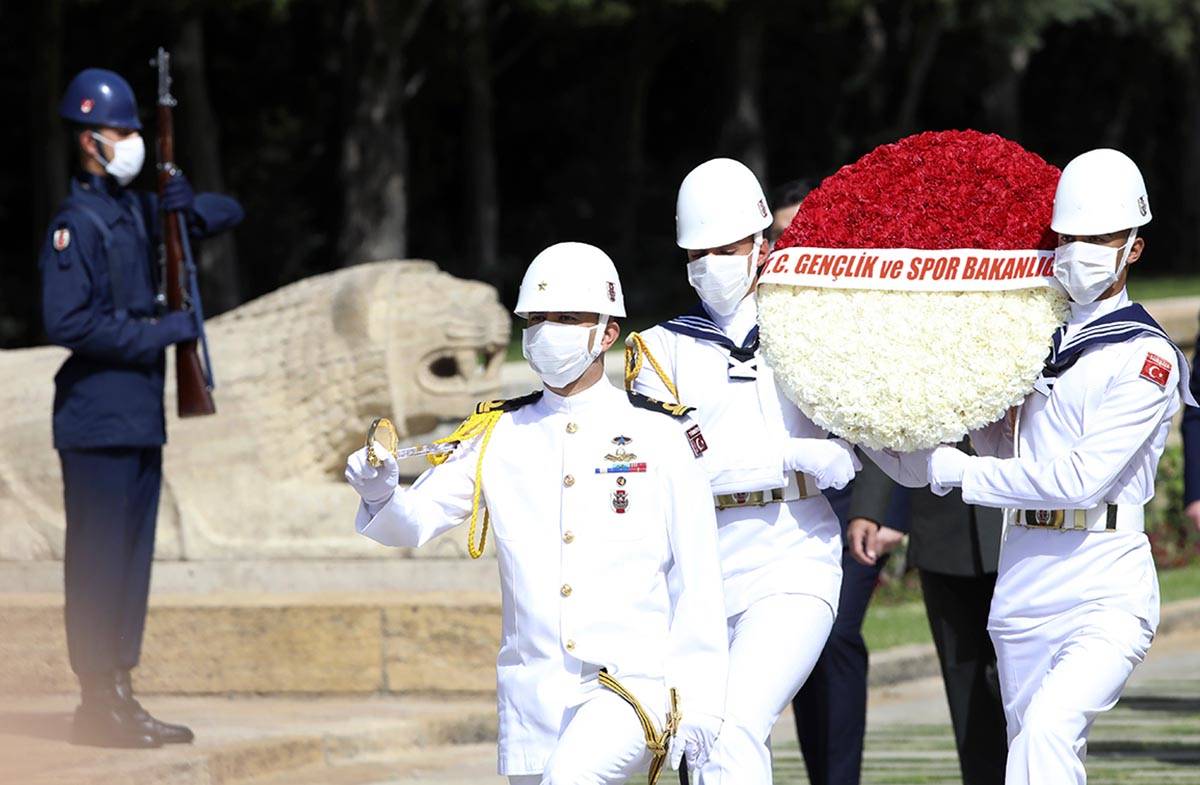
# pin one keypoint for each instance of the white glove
(831, 462)
(695, 738)
(374, 485)
(946, 467)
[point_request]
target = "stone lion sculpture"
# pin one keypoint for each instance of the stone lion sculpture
(300, 373)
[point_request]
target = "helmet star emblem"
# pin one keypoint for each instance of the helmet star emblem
(542, 286)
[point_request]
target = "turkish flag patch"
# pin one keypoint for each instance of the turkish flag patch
(1156, 369)
(62, 238)
(696, 439)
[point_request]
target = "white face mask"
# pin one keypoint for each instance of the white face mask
(128, 156)
(722, 281)
(560, 353)
(1086, 270)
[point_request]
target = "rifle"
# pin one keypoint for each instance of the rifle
(193, 371)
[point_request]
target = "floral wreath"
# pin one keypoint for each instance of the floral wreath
(909, 360)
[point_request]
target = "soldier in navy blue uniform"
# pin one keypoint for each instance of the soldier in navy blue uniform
(100, 299)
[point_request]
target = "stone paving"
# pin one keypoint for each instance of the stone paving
(1152, 736)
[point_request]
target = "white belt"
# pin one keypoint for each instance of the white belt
(1102, 517)
(799, 486)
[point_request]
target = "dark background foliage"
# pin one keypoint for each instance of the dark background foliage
(475, 132)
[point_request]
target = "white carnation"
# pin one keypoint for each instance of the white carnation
(906, 370)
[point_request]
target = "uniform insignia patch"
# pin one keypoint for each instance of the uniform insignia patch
(621, 455)
(620, 501)
(62, 238)
(696, 440)
(1156, 369)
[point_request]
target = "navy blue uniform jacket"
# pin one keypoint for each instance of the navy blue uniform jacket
(98, 300)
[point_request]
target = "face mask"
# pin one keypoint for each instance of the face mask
(1086, 270)
(722, 281)
(560, 353)
(128, 156)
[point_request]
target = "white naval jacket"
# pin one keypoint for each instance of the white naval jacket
(590, 577)
(1097, 437)
(793, 547)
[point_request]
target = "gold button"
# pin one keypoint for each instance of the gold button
(565, 590)
(572, 427)
(568, 537)
(570, 645)
(569, 480)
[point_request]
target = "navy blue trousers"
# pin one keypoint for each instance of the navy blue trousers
(831, 707)
(111, 500)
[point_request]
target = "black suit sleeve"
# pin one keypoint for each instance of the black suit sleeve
(872, 496)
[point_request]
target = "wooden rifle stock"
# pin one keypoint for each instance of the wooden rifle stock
(193, 395)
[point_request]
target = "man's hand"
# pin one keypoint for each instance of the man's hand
(946, 467)
(178, 194)
(1193, 511)
(374, 485)
(695, 738)
(869, 541)
(830, 462)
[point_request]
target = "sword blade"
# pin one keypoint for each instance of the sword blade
(424, 449)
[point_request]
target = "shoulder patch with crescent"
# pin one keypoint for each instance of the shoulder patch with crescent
(676, 410)
(510, 405)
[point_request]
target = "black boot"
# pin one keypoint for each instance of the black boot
(103, 719)
(168, 733)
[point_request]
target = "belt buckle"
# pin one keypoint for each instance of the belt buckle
(1045, 519)
(727, 501)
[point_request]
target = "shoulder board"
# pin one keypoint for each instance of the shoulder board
(510, 405)
(676, 410)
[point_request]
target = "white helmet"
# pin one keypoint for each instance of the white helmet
(1099, 192)
(571, 277)
(720, 202)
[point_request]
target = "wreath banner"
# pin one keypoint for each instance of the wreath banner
(911, 269)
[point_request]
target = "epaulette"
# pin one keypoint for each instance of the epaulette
(510, 405)
(676, 410)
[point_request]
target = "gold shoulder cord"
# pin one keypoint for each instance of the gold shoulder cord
(481, 423)
(635, 351)
(656, 742)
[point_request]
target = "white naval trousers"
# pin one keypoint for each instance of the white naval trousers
(773, 646)
(1055, 678)
(601, 744)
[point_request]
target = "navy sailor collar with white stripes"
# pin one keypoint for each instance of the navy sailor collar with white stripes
(699, 324)
(1105, 322)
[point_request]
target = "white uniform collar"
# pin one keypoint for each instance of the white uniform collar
(1082, 313)
(598, 394)
(738, 324)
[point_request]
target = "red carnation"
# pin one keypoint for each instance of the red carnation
(939, 189)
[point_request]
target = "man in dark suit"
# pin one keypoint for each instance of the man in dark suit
(831, 707)
(956, 549)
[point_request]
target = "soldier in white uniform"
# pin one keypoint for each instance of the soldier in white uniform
(780, 542)
(605, 538)
(1076, 602)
